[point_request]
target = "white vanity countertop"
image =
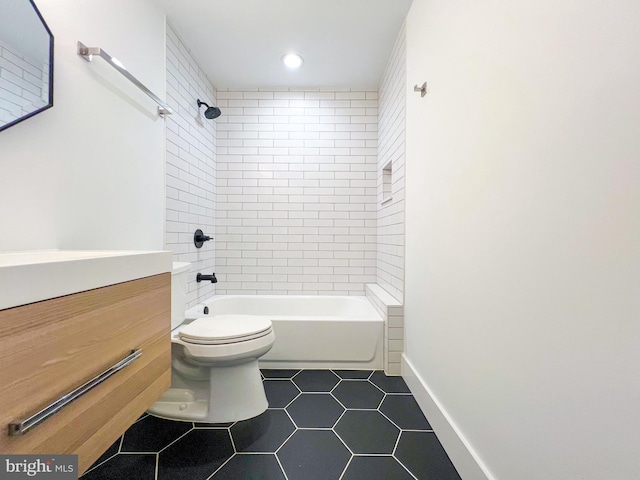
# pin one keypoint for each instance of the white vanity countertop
(32, 276)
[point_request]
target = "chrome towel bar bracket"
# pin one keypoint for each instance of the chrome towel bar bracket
(88, 52)
(20, 427)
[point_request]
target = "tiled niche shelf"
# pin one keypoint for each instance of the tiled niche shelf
(387, 182)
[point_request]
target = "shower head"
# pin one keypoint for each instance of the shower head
(210, 112)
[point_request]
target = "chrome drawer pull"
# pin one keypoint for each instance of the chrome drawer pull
(18, 427)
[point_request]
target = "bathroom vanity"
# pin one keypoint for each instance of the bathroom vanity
(95, 325)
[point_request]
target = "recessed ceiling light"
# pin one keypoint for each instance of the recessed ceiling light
(292, 60)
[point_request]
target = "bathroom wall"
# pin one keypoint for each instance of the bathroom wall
(296, 191)
(89, 172)
(391, 150)
(523, 227)
(191, 165)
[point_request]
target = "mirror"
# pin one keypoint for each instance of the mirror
(26, 62)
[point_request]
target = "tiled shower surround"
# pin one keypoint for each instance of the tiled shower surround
(191, 166)
(290, 185)
(296, 192)
(391, 149)
(388, 295)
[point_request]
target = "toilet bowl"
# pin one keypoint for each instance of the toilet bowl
(214, 363)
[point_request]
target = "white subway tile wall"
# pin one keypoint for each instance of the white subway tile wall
(391, 148)
(296, 191)
(191, 166)
(392, 312)
(23, 84)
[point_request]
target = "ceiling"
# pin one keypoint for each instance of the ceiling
(239, 43)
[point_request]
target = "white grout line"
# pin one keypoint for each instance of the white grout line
(372, 455)
(398, 460)
(335, 370)
(138, 453)
(155, 476)
(377, 387)
(335, 386)
(392, 422)
(233, 444)
(323, 429)
(279, 463)
(395, 447)
(291, 418)
(294, 399)
(101, 463)
(340, 438)
(341, 415)
(223, 464)
(167, 446)
(141, 417)
(345, 468)
(286, 440)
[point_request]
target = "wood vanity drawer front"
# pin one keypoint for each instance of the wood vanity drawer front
(49, 348)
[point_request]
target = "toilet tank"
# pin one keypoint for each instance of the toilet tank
(179, 280)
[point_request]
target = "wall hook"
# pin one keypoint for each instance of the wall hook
(422, 89)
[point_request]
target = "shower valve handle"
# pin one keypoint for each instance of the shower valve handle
(199, 238)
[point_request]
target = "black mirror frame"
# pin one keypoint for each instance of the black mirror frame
(50, 104)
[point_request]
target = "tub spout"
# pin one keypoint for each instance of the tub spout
(200, 277)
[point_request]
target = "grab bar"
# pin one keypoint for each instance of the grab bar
(18, 427)
(88, 52)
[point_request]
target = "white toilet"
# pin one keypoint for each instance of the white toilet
(214, 363)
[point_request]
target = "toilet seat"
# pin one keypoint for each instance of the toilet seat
(225, 329)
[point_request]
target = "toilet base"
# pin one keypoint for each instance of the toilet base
(232, 393)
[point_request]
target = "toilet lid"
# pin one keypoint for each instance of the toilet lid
(221, 329)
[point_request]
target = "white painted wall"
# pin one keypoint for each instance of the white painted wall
(89, 172)
(522, 296)
(191, 166)
(296, 191)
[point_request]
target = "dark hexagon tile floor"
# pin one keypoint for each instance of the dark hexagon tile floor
(358, 394)
(367, 432)
(264, 433)
(313, 455)
(321, 424)
(280, 393)
(315, 410)
(404, 411)
(316, 380)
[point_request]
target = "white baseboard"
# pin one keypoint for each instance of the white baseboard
(466, 461)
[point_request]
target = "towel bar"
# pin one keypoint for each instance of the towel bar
(88, 52)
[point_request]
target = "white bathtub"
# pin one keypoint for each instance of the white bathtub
(311, 331)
